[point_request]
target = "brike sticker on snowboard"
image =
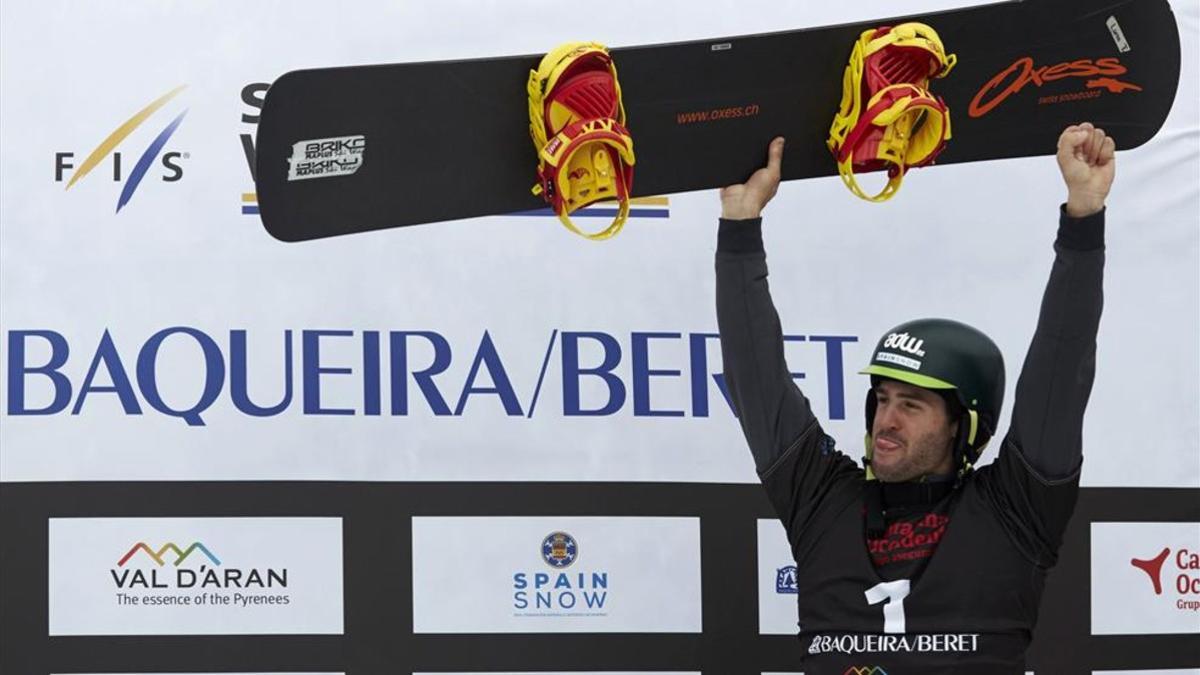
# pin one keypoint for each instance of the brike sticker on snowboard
(325, 157)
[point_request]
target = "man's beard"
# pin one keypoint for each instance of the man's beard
(922, 456)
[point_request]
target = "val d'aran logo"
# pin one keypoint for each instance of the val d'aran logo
(785, 580)
(188, 571)
(559, 593)
(172, 170)
(159, 557)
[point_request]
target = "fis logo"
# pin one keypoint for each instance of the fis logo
(904, 343)
(158, 556)
(171, 169)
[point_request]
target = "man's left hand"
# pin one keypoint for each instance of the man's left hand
(1087, 159)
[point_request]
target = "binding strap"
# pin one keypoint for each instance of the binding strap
(888, 119)
(577, 124)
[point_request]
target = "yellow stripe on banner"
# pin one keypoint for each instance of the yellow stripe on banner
(649, 201)
(250, 196)
(115, 138)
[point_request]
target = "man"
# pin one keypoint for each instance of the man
(922, 563)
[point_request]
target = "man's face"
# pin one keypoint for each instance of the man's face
(912, 434)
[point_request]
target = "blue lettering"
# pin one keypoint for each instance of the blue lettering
(214, 374)
(106, 353)
(599, 580)
(572, 373)
(542, 600)
(371, 388)
(17, 369)
(398, 342)
(520, 600)
(239, 389)
(540, 579)
(313, 372)
(519, 580)
(562, 600)
(698, 351)
(486, 354)
(595, 600)
(642, 374)
(833, 367)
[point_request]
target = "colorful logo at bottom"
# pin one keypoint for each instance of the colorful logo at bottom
(559, 550)
(865, 670)
(159, 556)
(63, 161)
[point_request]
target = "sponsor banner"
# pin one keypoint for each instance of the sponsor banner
(195, 576)
(1145, 578)
(556, 575)
(777, 598)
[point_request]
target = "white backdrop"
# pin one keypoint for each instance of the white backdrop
(163, 296)
(181, 254)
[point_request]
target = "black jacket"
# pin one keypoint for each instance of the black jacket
(971, 606)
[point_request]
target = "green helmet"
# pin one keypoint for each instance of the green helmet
(953, 359)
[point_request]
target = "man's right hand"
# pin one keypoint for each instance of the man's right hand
(740, 202)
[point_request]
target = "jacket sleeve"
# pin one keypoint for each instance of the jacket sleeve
(795, 459)
(1040, 460)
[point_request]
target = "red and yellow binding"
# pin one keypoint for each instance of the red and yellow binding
(901, 124)
(577, 122)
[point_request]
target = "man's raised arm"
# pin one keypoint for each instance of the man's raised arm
(1039, 463)
(784, 436)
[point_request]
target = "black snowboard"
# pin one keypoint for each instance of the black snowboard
(352, 149)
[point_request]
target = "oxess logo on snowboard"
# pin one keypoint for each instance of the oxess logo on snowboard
(1100, 75)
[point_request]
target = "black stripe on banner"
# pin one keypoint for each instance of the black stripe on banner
(378, 587)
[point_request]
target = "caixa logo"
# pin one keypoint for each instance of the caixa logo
(171, 168)
(1183, 568)
(596, 374)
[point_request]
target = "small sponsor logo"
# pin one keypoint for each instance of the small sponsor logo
(559, 550)
(326, 157)
(1118, 34)
(925, 643)
(785, 580)
(160, 556)
(1184, 565)
(717, 114)
(561, 594)
(905, 343)
(889, 357)
(133, 572)
(171, 165)
(865, 670)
